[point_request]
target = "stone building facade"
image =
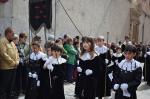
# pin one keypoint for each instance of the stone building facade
(92, 17)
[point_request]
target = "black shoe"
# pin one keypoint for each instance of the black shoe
(148, 83)
(76, 95)
(70, 81)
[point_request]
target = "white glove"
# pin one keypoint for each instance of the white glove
(78, 62)
(116, 86)
(106, 61)
(79, 69)
(116, 61)
(126, 93)
(44, 57)
(88, 72)
(30, 74)
(124, 86)
(44, 66)
(50, 67)
(145, 56)
(34, 75)
(38, 83)
(112, 63)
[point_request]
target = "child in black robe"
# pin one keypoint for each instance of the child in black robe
(45, 83)
(147, 68)
(118, 56)
(103, 84)
(116, 59)
(127, 75)
(89, 63)
(37, 59)
(55, 64)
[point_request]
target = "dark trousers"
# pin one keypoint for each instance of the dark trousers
(119, 95)
(70, 69)
(58, 87)
(21, 79)
(7, 81)
(87, 87)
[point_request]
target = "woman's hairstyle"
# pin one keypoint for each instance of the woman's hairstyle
(92, 47)
(69, 40)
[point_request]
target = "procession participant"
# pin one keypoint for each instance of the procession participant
(104, 84)
(127, 75)
(118, 56)
(126, 42)
(55, 64)
(45, 81)
(36, 62)
(146, 68)
(89, 64)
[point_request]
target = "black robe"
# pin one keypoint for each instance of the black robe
(115, 60)
(132, 78)
(146, 69)
(87, 84)
(45, 84)
(57, 77)
(118, 58)
(104, 83)
(33, 91)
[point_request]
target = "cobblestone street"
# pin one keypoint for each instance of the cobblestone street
(142, 93)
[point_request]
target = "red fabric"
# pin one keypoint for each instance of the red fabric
(3, 1)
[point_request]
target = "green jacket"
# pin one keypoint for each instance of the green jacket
(71, 52)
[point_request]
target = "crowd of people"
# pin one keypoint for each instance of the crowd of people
(96, 66)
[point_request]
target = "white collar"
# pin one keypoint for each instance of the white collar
(37, 56)
(127, 43)
(101, 50)
(87, 56)
(129, 65)
(148, 53)
(59, 60)
(117, 55)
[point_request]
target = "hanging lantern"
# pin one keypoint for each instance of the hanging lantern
(3, 1)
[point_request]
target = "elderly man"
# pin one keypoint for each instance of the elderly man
(9, 59)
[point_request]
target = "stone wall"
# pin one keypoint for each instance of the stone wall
(146, 21)
(92, 17)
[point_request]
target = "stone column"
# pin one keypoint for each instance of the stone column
(134, 24)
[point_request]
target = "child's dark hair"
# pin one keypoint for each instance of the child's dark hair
(130, 48)
(57, 41)
(36, 38)
(48, 44)
(56, 48)
(36, 44)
